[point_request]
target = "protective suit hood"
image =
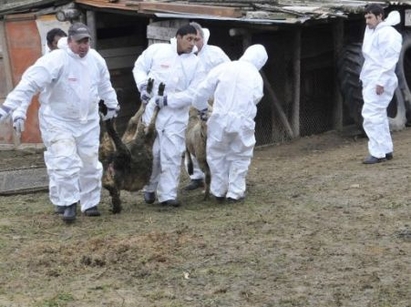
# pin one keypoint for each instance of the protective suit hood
(62, 43)
(256, 55)
(206, 37)
(393, 18)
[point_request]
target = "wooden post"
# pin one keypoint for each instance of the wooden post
(91, 23)
(338, 36)
(8, 78)
(295, 119)
(247, 39)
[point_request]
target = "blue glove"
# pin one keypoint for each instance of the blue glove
(111, 113)
(203, 114)
(161, 101)
(4, 113)
(144, 95)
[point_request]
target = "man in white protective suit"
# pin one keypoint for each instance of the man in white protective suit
(381, 50)
(53, 36)
(210, 56)
(70, 82)
(175, 65)
(237, 87)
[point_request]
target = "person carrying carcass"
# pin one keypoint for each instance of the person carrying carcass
(237, 87)
(175, 65)
(70, 82)
(210, 56)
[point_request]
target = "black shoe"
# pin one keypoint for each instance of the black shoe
(171, 202)
(233, 200)
(194, 184)
(69, 214)
(149, 197)
(93, 211)
(59, 209)
(219, 199)
(373, 160)
(389, 156)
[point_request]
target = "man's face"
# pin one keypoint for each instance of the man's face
(186, 43)
(372, 21)
(80, 47)
(199, 42)
(53, 45)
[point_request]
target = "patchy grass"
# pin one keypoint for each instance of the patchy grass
(317, 228)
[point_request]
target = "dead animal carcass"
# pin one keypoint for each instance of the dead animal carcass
(196, 139)
(127, 161)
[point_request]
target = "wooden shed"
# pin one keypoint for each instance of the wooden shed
(304, 40)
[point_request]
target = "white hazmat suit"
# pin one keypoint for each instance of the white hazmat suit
(381, 50)
(210, 56)
(237, 87)
(181, 74)
(69, 87)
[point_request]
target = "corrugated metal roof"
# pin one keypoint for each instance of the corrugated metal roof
(19, 6)
(254, 11)
(250, 11)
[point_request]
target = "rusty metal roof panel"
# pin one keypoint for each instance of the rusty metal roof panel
(253, 11)
(20, 6)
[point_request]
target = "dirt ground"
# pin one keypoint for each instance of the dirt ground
(317, 228)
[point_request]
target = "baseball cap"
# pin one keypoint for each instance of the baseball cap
(78, 31)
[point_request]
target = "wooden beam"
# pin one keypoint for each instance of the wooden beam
(186, 8)
(6, 58)
(338, 36)
(297, 82)
(277, 106)
(91, 23)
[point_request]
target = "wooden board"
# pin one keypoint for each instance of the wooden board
(187, 8)
(22, 181)
(118, 58)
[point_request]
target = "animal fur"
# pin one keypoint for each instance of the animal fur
(127, 161)
(196, 139)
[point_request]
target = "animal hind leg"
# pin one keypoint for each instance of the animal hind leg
(207, 181)
(115, 199)
(190, 165)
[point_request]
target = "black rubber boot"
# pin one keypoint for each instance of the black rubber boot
(194, 184)
(59, 210)
(171, 202)
(149, 197)
(93, 211)
(69, 214)
(373, 160)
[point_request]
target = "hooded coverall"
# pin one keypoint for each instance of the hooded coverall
(210, 56)
(237, 87)
(181, 74)
(381, 50)
(70, 87)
